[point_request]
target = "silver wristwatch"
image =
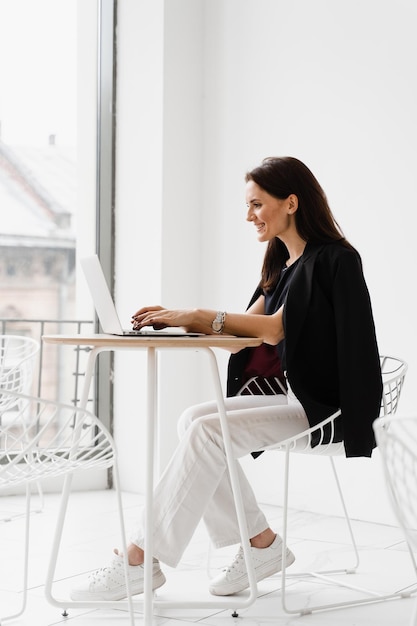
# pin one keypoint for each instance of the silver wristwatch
(218, 322)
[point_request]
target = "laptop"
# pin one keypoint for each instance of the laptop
(106, 311)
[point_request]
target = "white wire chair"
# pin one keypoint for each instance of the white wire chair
(393, 374)
(42, 439)
(18, 355)
(397, 442)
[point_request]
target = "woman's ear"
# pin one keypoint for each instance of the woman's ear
(293, 203)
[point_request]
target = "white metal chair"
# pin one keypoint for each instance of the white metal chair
(393, 374)
(41, 439)
(397, 442)
(18, 355)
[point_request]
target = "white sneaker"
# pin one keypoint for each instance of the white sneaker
(266, 561)
(108, 583)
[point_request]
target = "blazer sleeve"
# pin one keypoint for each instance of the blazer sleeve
(360, 381)
(332, 353)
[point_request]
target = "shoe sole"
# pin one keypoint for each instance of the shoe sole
(242, 583)
(120, 593)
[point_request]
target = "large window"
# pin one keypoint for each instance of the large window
(38, 152)
(49, 64)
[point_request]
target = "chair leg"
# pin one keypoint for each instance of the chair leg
(372, 596)
(57, 541)
(284, 576)
(36, 509)
(353, 569)
(41, 498)
(284, 529)
(27, 540)
(25, 560)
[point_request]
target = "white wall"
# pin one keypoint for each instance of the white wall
(207, 88)
(158, 204)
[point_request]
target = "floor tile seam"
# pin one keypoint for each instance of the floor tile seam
(341, 544)
(328, 517)
(182, 619)
(400, 542)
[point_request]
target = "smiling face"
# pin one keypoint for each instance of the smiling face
(271, 216)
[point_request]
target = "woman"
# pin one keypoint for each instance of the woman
(313, 313)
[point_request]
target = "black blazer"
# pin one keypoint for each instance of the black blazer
(332, 358)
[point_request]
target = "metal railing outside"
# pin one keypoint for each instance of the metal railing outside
(56, 377)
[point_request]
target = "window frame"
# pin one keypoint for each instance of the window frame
(105, 186)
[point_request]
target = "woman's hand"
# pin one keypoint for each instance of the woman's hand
(159, 318)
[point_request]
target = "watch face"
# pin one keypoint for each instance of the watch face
(216, 326)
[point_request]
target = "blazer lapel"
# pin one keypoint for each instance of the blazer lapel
(299, 296)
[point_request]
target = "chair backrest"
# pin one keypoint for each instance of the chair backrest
(393, 375)
(17, 362)
(259, 386)
(43, 438)
(397, 442)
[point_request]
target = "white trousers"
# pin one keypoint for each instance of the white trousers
(196, 482)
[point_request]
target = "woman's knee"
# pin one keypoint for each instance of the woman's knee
(184, 422)
(204, 429)
(190, 415)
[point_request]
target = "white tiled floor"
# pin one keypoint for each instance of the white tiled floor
(92, 531)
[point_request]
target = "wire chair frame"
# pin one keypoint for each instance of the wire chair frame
(397, 442)
(393, 375)
(257, 386)
(17, 361)
(45, 439)
(319, 440)
(18, 355)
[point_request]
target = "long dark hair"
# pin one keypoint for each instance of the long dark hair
(281, 177)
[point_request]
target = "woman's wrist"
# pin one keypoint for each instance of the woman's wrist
(202, 320)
